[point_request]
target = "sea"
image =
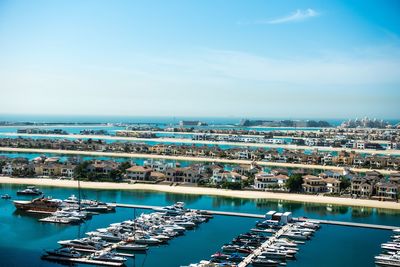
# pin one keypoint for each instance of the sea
(23, 238)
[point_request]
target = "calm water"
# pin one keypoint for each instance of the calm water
(22, 237)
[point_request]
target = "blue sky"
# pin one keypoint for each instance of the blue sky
(315, 59)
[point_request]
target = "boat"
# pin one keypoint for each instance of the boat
(133, 247)
(30, 190)
(388, 260)
(64, 252)
(6, 196)
(259, 262)
(84, 243)
(107, 236)
(60, 220)
(220, 256)
(107, 256)
(391, 246)
(147, 240)
(94, 206)
(71, 200)
(38, 204)
(296, 236)
(71, 213)
(273, 255)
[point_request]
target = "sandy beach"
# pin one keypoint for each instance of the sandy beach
(185, 158)
(206, 191)
(202, 142)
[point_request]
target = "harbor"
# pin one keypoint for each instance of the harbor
(274, 241)
(180, 247)
(134, 235)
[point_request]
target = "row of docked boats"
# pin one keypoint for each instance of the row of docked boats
(271, 243)
(390, 255)
(132, 236)
(283, 244)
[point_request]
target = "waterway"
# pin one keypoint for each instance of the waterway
(23, 238)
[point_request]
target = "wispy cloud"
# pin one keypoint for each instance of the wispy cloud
(297, 16)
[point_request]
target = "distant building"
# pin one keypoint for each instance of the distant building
(192, 123)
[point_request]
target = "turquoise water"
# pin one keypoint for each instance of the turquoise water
(22, 237)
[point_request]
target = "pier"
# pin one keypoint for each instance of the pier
(260, 249)
(261, 216)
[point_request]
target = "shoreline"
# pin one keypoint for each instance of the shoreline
(302, 198)
(201, 142)
(188, 158)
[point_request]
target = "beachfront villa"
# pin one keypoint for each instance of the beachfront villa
(221, 176)
(265, 180)
(387, 190)
(138, 173)
(102, 166)
(158, 165)
(362, 187)
(313, 184)
(325, 183)
(183, 175)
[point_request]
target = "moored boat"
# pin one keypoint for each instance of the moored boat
(38, 204)
(30, 190)
(64, 252)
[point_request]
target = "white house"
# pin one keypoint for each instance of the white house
(7, 169)
(158, 165)
(265, 180)
(220, 176)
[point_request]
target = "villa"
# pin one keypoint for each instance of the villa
(265, 180)
(138, 173)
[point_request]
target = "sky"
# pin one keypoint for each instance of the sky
(222, 58)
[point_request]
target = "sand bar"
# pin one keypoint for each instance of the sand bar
(207, 191)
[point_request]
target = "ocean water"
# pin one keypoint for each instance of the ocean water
(23, 238)
(132, 119)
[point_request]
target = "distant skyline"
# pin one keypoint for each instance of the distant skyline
(241, 59)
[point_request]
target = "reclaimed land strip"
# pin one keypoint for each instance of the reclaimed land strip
(187, 158)
(302, 198)
(247, 135)
(261, 216)
(202, 142)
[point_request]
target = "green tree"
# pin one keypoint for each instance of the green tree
(123, 166)
(345, 183)
(115, 175)
(294, 183)
(81, 170)
(231, 185)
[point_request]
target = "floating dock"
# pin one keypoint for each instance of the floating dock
(248, 260)
(261, 216)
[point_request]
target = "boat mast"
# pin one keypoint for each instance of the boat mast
(79, 195)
